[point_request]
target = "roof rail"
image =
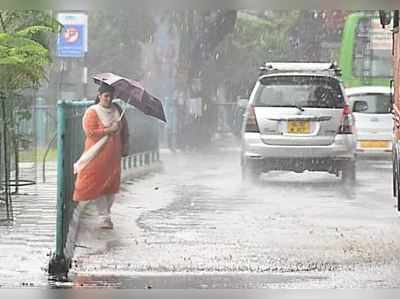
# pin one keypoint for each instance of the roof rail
(315, 67)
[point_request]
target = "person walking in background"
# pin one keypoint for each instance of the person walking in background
(99, 168)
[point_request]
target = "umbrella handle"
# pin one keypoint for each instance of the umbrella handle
(123, 112)
(126, 107)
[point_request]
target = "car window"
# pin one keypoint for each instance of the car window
(377, 103)
(299, 91)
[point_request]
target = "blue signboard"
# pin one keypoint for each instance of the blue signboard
(71, 41)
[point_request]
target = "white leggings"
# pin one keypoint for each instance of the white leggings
(103, 205)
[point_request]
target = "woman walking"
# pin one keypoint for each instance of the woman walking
(99, 169)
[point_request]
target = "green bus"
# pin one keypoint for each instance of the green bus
(366, 51)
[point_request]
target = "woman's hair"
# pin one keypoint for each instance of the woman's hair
(102, 89)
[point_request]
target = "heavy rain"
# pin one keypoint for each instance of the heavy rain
(163, 149)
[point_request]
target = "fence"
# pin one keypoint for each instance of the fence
(24, 133)
(17, 150)
(70, 144)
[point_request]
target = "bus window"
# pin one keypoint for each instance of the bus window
(372, 56)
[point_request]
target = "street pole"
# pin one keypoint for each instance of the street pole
(5, 155)
(85, 77)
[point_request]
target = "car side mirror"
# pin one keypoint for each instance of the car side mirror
(385, 17)
(360, 106)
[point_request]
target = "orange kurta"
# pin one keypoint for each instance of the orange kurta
(102, 175)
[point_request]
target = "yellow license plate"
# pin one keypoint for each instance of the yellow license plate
(374, 144)
(298, 127)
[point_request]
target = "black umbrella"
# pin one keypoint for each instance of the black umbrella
(133, 93)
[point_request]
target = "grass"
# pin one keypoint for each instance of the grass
(37, 155)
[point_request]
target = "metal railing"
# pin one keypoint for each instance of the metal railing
(70, 145)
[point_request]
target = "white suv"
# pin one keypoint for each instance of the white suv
(298, 120)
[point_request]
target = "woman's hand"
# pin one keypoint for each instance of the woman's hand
(114, 128)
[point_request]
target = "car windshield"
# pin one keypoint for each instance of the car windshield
(299, 91)
(377, 103)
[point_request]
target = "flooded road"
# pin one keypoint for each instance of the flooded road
(197, 225)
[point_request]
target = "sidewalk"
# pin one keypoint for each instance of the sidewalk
(26, 243)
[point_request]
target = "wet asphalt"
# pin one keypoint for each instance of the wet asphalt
(196, 225)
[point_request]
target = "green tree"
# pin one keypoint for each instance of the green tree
(116, 40)
(225, 48)
(24, 57)
(201, 33)
(256, 39)
(24, 51)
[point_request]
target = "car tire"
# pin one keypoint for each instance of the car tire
(349, 172)
(397, 182)
(250, 174)
(397, 192)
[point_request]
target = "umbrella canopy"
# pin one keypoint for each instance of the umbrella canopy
(132, 93)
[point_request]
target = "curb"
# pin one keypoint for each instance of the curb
(74, 224)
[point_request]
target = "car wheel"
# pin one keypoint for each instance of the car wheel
(397, 192)
(250, 174)
(349, 172)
